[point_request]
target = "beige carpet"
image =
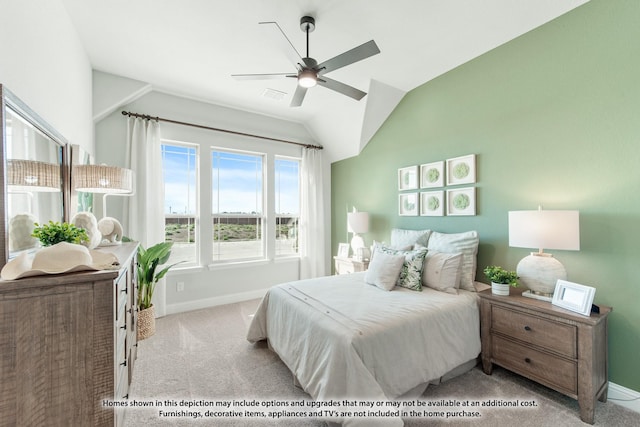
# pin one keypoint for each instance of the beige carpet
(203, 356)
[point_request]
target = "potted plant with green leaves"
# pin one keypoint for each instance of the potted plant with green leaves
(501, 279)
(149, 260)
(55, 232)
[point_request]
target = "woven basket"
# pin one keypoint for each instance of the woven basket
(146, 323)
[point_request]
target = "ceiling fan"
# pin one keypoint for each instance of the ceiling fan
(309, 72)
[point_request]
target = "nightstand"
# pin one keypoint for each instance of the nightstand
(547, 344)
(349, 265)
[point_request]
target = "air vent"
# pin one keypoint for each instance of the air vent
(274, 94)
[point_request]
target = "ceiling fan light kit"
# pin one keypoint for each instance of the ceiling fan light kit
(310, 73)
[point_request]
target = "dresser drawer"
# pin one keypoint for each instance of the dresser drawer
(555, 336)
(548, 369)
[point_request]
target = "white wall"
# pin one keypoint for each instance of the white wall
(206, 286)
(43, 63)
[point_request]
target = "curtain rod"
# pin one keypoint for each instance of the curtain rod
(160, 119)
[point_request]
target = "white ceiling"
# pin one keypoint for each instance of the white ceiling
(191, 48)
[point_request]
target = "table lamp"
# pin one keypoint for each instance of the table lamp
(543, 229)
(107, 180)
(357, 223)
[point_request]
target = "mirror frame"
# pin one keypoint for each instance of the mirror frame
(9, 100)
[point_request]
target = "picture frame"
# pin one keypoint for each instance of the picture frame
(343, 250)
(408, 178)
(461, 170)
(432, 203)
(408, 204)
(432, 175)
(574, 297)
(461, 202)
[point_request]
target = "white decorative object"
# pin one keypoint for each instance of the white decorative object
(432, 203)
(432, 175)
(111, 231)
(461, 201)
(88, 221)
(501, 289)
(20, 228)
(408, 178)
(461, 170)
(574, 297)
(343, 250)
(408, 204)
(543, 229)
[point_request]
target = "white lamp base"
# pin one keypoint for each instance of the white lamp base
(539, 272)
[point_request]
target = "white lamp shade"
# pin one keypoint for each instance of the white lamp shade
(33, 176)
(357, 222)
(544, 229)
(102, 179)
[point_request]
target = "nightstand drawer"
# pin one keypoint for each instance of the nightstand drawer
(548, 334)
(548, 369)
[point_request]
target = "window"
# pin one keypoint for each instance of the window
(237, 205)
(287, 205)
(179, 169)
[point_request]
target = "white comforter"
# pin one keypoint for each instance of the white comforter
(342, 338)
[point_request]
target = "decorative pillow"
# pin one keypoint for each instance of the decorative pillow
(405, 239)
(411, 273)
(464, 243)
(384, 270)
(442, 271)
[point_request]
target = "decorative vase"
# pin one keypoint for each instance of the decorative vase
(146, 323)
(500, 288)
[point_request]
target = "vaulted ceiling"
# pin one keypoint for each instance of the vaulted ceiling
(191, 48)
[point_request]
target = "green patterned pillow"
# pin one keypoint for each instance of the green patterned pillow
(411, 272)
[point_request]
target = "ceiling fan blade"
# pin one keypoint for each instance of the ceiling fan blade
(298, 96)
(342, 88)
(261, 76)
(286, 45)
(356, 54)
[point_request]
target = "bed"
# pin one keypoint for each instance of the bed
(344, 338)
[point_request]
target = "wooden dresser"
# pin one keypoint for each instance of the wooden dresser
(68, 342)
(550, 345)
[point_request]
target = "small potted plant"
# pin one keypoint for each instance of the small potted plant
(55, 232)
(148, 262)
(501, 279)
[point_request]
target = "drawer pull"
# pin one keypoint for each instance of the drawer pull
(526, 359)
(124, 327)
(527, 328)
(124, 363)
(126, 396)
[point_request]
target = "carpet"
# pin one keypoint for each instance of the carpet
(199, 361)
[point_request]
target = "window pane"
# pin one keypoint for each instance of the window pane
(237, 205)
(287, 199)
(179, 168)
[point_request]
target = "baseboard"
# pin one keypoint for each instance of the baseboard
(212, 302)
(623, 396)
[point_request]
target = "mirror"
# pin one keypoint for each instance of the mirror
(34, 172)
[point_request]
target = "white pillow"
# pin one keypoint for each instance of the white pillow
(384, 270)
(464, 243)
(442, 271)
(405, 239)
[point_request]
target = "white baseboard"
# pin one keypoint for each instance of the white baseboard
(212, 302)
(623, 396)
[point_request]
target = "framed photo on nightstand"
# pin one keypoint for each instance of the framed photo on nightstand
(343, 250)
(574, 297)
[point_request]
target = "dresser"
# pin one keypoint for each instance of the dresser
(68, 343)
(344, 265)
(555, 347)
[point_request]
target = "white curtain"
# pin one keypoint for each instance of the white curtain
(312, 232)
(146, 217)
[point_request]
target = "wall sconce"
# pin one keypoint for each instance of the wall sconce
(543, 229)
(33, 176)
(103, 179)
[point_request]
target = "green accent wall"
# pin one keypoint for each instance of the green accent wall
(554, 120)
